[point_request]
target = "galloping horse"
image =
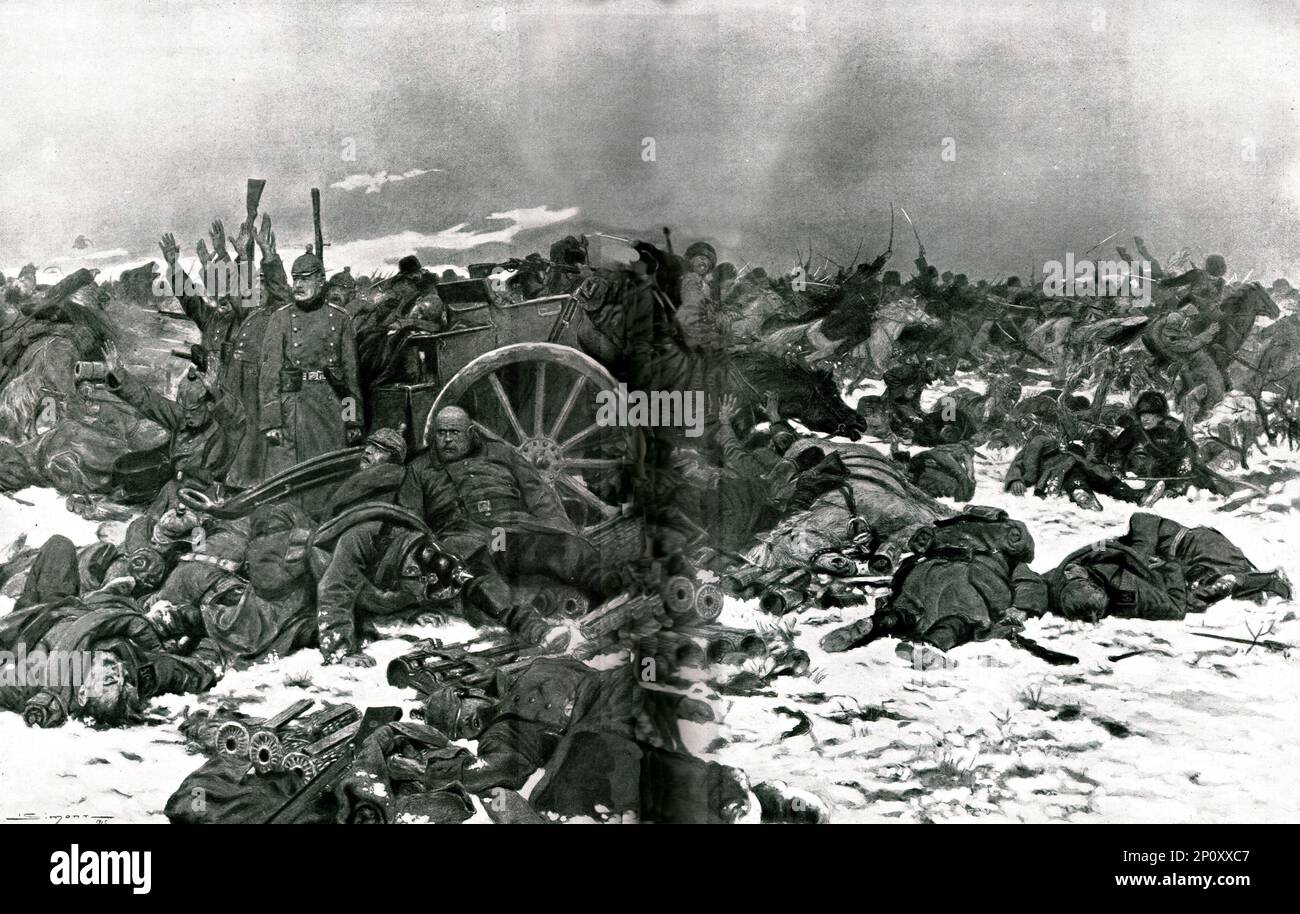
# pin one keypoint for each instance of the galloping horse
(1238, 312)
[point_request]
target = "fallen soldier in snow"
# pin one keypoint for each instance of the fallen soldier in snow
(1052, 468)
(98, 658)
(1159, 569)
(968, 579)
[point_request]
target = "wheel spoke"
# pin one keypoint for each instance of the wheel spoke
(484, 430)
(569, 402)
(580, 437)
(539, 399)
(505, 404)
(585, 494)
(589, 463)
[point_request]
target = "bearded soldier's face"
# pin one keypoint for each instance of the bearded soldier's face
(306, 286)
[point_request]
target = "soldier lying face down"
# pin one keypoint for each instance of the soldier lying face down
(1159, 569)
(605, 743)
(968, 578)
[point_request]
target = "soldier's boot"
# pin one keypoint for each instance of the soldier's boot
(493, 596)
(782, 803)
(855, 634)
(1153, 494)
(861, 632)
(1085, 499)
(1260, 585)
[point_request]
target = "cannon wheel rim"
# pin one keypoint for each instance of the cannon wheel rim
(551, 457)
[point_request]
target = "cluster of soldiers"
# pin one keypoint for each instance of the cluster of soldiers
(281, 381)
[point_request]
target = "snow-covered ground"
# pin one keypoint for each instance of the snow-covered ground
(1192, 730)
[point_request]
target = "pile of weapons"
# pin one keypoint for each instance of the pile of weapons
(831, 579)
(474, 664)
(677, 601)
(292, 740)
(706, 644)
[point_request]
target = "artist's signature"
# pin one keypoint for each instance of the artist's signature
(58, 818)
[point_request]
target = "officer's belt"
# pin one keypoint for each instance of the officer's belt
(224, 564)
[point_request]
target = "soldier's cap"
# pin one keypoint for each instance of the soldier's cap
(390, 440)
(410, 266)
(704, 248)
(1281, 284)
(442, 708)
(29, 269)
(308, 264)
(1215, 265)
(343, 280)
(892, 278)
(276, 518)
(192, 392)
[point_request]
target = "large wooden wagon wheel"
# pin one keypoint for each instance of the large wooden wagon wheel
(540, 398)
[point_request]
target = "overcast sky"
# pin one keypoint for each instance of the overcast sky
(774, 125)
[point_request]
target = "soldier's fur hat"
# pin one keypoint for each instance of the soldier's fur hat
(701, 248)
(1215, 265)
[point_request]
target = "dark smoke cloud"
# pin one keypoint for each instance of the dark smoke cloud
(776, 125)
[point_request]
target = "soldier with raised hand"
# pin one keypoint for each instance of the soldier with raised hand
(310, 390)
(204, 423)
(241, 353)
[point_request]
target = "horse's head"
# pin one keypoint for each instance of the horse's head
(1251, 298)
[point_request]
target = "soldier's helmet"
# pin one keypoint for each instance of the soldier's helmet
(1215, 265)
(308, 264)
(345, 280)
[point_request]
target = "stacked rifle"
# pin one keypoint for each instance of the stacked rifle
(431, 664)
(292, 740)
(675, 601)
